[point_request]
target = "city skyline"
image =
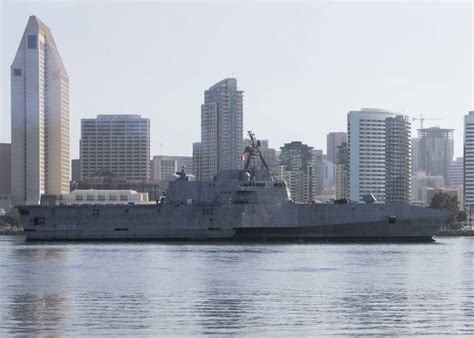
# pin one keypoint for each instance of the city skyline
(265, 109)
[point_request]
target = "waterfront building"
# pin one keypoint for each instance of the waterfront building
(5, 176)
(397, 159)
(469, 161)
(119, 143)
(39, 117)
(456, 173)
(367, 152)
(106, 180)
(334, 140)
(75, 169)
(296, 168)
(341, 172)
(435, 150)
(221, 129)
(80, 197)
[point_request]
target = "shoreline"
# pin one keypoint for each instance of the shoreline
(11, 231)
(454, 233)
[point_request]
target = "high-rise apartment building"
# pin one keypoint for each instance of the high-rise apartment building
(367, 153)
(39, 117)
(397, 159)
(434, 151)
(118, 143)
(221, 129)
(469, 161)
(333, 140)
(341, 172)
(296, 168)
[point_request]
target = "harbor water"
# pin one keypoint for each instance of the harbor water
(135, 289)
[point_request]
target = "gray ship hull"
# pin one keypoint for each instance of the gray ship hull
(286, 221)
(236, 206)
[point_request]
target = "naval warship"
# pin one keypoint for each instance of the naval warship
(238, 205)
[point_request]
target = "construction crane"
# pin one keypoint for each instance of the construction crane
(422, 119)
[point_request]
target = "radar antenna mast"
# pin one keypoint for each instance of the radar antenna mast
(252, 150)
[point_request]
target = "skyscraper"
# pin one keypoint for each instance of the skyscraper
(118, 143)
(221, 128)
(369, 167)
(469, 161)
(397, 159)
(435, 151)
(333, 140)
(40, 117)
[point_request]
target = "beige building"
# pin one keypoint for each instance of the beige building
(119, 143)
(39, 117)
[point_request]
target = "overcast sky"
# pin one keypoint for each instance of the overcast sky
(302, 66)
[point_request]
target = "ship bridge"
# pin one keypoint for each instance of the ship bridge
(230, 187)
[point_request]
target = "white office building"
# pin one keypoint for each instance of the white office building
(39, 117)
(367, 152)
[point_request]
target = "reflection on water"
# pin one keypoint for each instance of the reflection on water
(32, 313)
(126, 289)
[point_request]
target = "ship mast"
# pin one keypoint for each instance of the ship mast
(251, 151)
